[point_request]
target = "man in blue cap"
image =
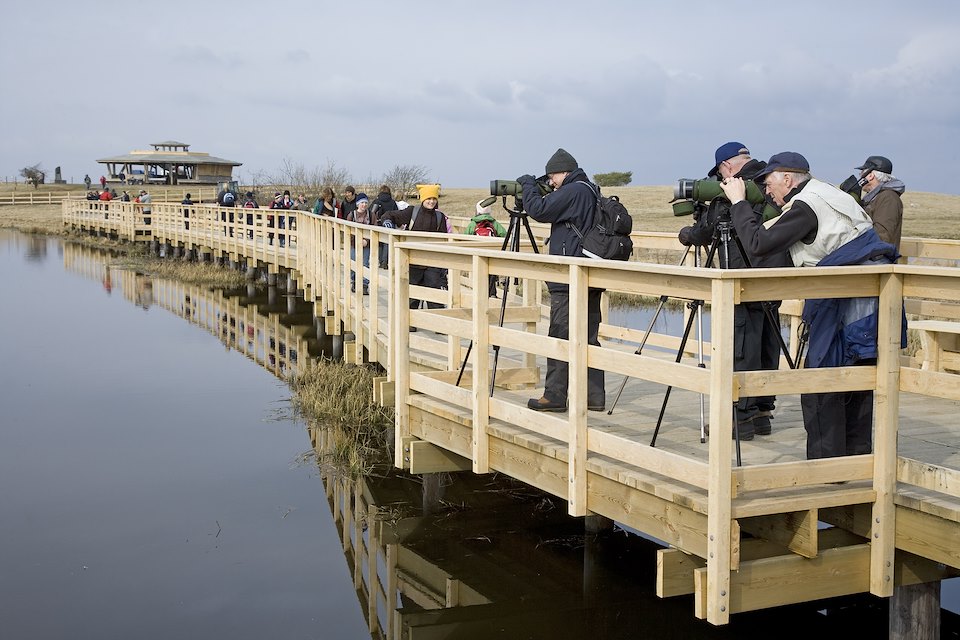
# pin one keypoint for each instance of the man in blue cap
(755, 344)
(821, 225)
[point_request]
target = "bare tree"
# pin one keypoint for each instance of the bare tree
(307, 180)
(35, 175)
(404, 178)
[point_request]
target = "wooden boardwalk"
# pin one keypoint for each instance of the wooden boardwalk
(743, 537)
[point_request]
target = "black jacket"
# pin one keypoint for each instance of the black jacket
(434, 221)
(383, 203)
(570, 205)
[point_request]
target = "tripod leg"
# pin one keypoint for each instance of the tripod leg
(643, 342)
(775, 326)
(646, 335)
(464, 365)
(666, 396)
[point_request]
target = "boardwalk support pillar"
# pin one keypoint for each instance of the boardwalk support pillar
(915, 612)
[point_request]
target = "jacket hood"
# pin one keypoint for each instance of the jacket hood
(894, 185)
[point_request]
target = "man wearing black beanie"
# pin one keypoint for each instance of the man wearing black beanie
(572, 203)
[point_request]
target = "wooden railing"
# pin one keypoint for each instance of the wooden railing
(424, 371)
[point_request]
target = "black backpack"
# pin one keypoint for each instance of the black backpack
(609, 237)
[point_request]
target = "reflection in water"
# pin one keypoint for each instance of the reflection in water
(494, 558)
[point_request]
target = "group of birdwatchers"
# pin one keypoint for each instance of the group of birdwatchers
(800, 222)
(811, 223)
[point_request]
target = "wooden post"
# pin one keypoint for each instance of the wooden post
(719, 524)
(577, 392)
(886, 407)
(399, 348)
(481, 368)
(915, 612)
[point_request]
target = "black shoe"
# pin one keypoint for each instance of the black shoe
(366, 291)
(412, 329)
(353, 288)
(597, 407)
(761, 425)
(542, 404)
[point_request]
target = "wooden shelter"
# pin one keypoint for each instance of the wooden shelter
(169, 162)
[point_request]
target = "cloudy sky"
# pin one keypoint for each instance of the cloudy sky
(485, 89)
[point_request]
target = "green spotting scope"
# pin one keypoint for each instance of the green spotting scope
(689, 191)
(512, 188)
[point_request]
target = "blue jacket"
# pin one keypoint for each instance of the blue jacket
(843, 331)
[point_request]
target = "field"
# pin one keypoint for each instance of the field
(927, 215)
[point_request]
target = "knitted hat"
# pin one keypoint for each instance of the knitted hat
(561, 161)
(362, 197)
(428, 191)
(482, 209)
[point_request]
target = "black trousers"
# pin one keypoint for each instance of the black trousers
(432, 277)
(838, 424)
(556, 382)
(755, 348)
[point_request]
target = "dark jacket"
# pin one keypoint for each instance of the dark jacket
(885, 208)
(572, 205)
(383, 203)
(843, 331)
(434, 221)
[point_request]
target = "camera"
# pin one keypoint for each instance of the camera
(688, 192)
(852, 186)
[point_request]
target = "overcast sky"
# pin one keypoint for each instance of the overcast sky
(485, 89)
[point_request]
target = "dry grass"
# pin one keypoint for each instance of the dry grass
(336, 396)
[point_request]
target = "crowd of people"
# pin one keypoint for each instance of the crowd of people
(813, 224)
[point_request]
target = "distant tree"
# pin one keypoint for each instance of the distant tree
(404, 178)
(35, 175)
(310, 181)
(613, 179)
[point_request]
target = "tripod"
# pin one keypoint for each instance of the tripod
(511, 242)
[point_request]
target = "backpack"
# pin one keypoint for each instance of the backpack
(485, 228)
(609, 237)
(228, 198)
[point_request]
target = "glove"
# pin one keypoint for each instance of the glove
(684, 236)
(388, 224)
(526, 178)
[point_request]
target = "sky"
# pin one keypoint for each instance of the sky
(483, 90)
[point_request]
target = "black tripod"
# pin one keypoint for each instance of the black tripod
(511, 242)
(722, 235)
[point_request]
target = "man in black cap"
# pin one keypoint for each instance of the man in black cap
(821, 225)
(881, 198)
(572, 203)
(755, 344)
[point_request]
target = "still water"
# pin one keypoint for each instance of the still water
(151, 488)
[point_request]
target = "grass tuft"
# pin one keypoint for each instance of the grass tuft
(337, 396)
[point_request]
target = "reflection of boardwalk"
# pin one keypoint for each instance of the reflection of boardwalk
(268, 334)
(745, 536)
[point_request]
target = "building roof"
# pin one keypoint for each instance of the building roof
(172, 157)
